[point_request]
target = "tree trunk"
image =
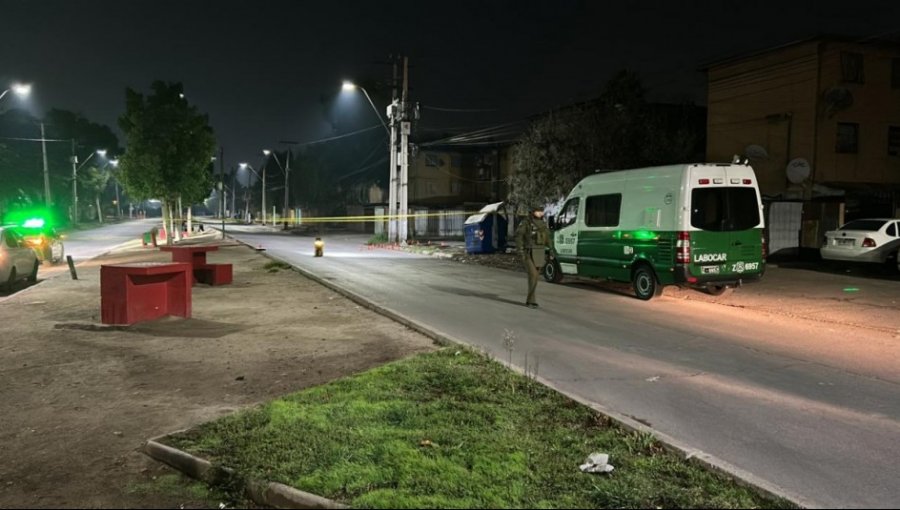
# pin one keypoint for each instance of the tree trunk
(190, 218)
(178, 220)
(167, 216)
(99, 212)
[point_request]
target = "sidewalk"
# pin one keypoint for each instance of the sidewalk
(79, 398)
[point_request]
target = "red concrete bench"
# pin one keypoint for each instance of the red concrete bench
(210, 274)
(131, 293)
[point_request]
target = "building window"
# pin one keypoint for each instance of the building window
(847, 138)
(852, 67)
(893, 141)
(895, 73)
(603, 210)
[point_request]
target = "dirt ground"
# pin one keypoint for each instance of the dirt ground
(78, 399)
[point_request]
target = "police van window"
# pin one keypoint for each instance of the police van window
(724, 209)
(569, 213)
(603, 210)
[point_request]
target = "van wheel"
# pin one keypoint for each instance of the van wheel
(32, 278)
(552, 272)
(645, 285)
(718, 290)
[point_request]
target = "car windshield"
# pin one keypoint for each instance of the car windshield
(724, 209)
(870, 225)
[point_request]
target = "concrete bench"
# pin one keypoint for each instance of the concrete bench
(131, 293)
(210, 274)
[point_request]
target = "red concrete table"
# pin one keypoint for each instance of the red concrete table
(131, 293)
(211, 274)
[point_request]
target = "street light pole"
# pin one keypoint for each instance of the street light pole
(75, 185)
(392, 132)
(46, 171)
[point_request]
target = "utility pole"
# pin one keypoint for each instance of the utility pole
(405, 128)
(222, 196)
(46, 172)
(392, 179)
(74, 184)
(233, 190)
(264, 194)
(287, 178)
(287, 175)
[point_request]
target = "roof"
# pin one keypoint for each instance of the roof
(889, 39)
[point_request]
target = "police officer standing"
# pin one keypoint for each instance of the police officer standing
(532, 240)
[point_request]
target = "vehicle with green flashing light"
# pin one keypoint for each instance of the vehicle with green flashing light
(43, 239)
(17, 260)
(694, 225)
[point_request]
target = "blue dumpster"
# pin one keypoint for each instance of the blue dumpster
(485, 232)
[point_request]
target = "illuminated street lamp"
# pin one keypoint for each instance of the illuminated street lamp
(349, 86)
(20, 89)
(393, 195)
(75, 168)
(244, 166)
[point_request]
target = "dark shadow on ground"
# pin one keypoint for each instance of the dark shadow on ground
(471, 293)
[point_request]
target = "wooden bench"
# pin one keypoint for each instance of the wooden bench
(131, 293)
(210, 274)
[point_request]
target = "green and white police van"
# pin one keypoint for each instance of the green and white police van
(695, 225)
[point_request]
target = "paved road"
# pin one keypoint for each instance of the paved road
(811, 408)
(84, 245)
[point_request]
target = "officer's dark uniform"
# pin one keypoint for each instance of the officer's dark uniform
(532, 238)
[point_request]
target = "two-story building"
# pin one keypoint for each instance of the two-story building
(817, 117)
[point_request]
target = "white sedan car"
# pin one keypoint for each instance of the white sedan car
(17, 260)
(871, 240)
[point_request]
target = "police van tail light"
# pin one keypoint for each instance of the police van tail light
(764, 250)
(683, 248)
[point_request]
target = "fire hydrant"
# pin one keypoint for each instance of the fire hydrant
(320, 246)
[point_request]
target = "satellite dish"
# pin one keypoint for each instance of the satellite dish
(798, 170)
(756, 152)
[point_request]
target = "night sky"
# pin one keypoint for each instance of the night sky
(271, 70)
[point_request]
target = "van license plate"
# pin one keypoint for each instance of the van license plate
(710, 269)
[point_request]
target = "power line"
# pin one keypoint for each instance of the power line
(338, 137)
(33, 139)
(460, 110)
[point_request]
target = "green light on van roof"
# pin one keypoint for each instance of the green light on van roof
(34, 223)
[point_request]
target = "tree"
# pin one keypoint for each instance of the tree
(95, 181)
(618, 130)
(169, 145)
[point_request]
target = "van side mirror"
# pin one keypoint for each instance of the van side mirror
(551, 222)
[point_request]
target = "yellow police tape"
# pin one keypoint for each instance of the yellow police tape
(334, 219)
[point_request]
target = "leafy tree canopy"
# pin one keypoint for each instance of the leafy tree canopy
(169, 146)
(618, 130)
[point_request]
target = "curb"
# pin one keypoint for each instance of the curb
(688, 453)
(270, 494)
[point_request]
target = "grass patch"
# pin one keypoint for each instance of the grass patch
(275, 266)
(454, 429)
(381, 238)
(178, 486)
